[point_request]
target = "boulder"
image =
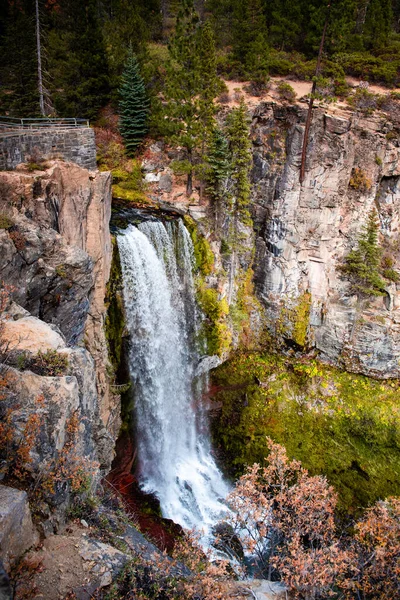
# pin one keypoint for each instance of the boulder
(17, 533)
(31, 334)
(261, 589)
(165, 183)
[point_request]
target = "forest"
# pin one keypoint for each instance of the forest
(84, 45)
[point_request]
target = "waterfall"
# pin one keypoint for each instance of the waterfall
(174, 453)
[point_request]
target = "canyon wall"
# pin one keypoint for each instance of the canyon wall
(55, 254)
(304, 231)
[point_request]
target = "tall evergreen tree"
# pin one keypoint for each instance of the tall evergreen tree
(248, 25)
(285, 22)
(133, 106)
(378, 22)
(18, 64)
(209, 82)
(240, 147)
(77, 59)
(362, 264)
(182, 85)
(219, 161)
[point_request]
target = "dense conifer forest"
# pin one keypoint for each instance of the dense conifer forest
(84, 45)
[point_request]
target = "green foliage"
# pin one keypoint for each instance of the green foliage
(51, 363)
(128, 184)
(115, 320)
(5, 222)
(369, 67)
(79, 84)
(133, 106)
(286, 92)
(298, 318)
(339, 424)
(203, 255)
(18, 67)
(240, 147)
(219, 169)
(362, 264)
(215, 331)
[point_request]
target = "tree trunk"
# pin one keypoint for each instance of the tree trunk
(361, 16)
(310, 106)
(189, 183)
(39, 62)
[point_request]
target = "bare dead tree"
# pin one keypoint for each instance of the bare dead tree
(39, 61)
(312, 96)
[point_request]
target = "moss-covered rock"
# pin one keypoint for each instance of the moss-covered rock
(203, 255)
(215, 333)
(115, 319)
(343, 425)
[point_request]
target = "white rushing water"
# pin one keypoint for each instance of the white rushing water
(174, 454)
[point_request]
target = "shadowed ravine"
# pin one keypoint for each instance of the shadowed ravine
(174, 453)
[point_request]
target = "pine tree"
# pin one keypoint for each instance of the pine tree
(362, 264)
(18, 64)
(182, 87)
(77, 59)
(285, 22)
(240, 147)
(209, 82)
(133, 106)
(248, 25)
(219, 162)
(378, 23)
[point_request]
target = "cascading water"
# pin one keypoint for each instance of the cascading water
(174, 454)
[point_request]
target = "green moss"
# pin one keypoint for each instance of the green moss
(115, 320)
(240, 311)
(128, 183)
(203, 254)
(61, 272)
(215, 333)
(5, 222)
(343, 425)
(301, 319)
(293, 322)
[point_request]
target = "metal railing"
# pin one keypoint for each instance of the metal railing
(11, 123)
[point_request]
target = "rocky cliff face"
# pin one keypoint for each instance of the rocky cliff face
(55, 249)
(55, 254)
(303, 232)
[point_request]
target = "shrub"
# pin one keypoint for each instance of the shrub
(258, 87)
(364, 101)
(377, 538)
(5, 222)
(359, 180)
(286, 92)
(18, 239)
(50, 363)
(224, 98)
(285, 518)
(368, 67)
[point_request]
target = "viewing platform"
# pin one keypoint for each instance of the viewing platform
(36, 140)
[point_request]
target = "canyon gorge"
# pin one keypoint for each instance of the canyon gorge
(158, 312)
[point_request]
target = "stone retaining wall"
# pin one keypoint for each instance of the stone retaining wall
(75, 145)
